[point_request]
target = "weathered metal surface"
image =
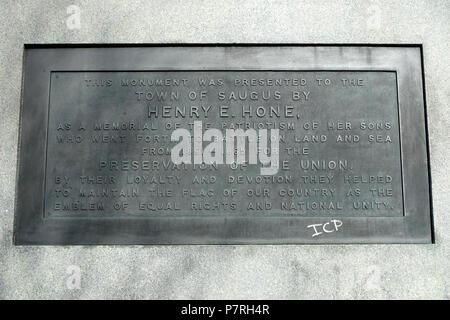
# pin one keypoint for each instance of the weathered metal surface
(101, 127)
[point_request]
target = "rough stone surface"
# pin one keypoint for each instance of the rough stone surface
(233, 272)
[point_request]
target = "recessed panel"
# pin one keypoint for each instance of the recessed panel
(109, 144)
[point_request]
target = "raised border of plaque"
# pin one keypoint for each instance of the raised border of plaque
(33, 227)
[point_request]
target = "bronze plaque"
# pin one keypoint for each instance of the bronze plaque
(223, 144)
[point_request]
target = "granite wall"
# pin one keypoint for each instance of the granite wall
(227, 272)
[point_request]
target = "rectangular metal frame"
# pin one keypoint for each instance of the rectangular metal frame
(31, 228)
